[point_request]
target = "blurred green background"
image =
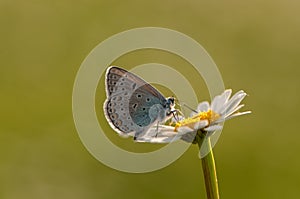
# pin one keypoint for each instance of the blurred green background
(254, 43)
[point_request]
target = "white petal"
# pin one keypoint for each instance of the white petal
(213, 128)
(200, 124)
(233, 110)
(184, 129)
(162, 130)
(220, 120)
(158, 139)
(203, 107)
(238, 114)
(216, 103)
(219, 101)
(227, 94)
(233, 102)
(189, 137)
(163, 134)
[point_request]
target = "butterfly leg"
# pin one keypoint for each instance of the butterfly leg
(175, 115)
(157, 129)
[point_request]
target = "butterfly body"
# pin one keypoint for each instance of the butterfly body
(133, 105)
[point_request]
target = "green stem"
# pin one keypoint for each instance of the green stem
(208, 167)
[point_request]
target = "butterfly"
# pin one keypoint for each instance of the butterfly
(132, 105)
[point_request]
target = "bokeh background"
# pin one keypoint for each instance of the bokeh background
(254, 43)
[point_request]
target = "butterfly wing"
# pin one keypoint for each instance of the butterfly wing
(132, 105)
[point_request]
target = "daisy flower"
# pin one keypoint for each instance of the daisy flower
(207, 118)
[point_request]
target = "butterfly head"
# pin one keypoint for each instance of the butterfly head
(170, 105)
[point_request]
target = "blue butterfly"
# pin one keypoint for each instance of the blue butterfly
(133, 105)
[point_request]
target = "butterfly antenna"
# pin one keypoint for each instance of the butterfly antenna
(187, 106)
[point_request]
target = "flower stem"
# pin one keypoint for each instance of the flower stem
(208, 167)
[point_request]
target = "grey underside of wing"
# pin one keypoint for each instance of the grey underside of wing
(145, 108)
(122, 87)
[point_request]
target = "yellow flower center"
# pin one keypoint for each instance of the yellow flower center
(209, 115)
